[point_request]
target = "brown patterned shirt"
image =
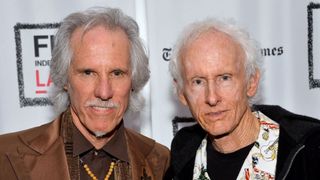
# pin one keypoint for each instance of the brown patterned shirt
(99, 160)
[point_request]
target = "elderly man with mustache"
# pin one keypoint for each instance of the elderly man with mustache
(98, 66)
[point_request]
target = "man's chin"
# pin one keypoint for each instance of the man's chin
(99, 134)
(103, 133)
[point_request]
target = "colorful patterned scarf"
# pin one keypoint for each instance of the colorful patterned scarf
(260, 164)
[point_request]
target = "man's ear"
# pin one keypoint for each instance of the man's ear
(180, 93)
(253, 84)
(65, 87)
(182, 98)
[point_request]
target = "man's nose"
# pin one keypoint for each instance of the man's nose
(104, 89)
(212, 95)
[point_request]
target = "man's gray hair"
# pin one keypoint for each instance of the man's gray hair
(253, 61)
(62, 53)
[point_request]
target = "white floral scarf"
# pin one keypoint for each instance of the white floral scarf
(260, 164)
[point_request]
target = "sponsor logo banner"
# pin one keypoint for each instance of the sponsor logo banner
(34, 43)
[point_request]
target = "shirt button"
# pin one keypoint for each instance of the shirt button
(95, 153)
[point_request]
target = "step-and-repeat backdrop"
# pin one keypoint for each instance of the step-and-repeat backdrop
(288, 32)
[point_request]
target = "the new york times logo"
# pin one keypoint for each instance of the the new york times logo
(166, 54)
(34, 43)
(314, 46)
(268, 51)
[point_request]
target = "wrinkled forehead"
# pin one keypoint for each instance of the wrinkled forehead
(80, 32)
(214, 43)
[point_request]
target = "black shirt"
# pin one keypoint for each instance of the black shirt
(225, 166)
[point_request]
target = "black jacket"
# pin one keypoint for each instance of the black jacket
(298, 153)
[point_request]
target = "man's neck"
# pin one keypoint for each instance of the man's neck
(97, 142)
(244, 134)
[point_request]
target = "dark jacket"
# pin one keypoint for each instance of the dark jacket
(298, 153)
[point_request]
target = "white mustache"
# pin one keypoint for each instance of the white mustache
(101, 104)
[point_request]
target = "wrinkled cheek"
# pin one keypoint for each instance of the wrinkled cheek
(236, 97)
(195, 96)
(199, 115)
(73, 98)
(120, 111)
(196, 103)
(123, 104)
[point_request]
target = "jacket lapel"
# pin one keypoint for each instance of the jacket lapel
(41, 156)
(19, 167)
(138, 152)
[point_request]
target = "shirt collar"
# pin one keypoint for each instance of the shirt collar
(117, 145)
